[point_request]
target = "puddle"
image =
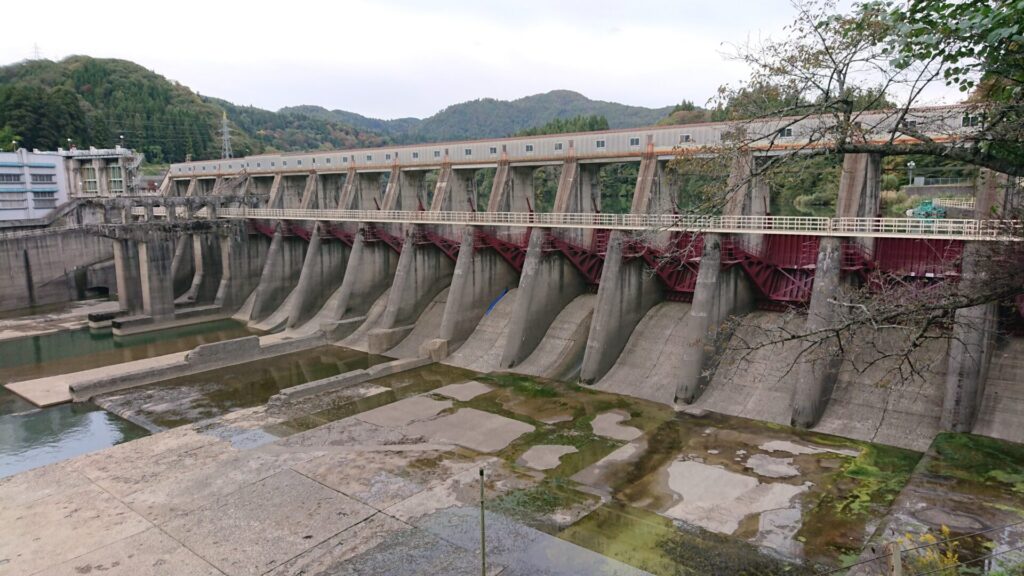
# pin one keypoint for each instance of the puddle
(193, 398)
(399, 386)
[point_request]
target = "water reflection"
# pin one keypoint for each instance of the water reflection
(74, 350)
(192, 398)
(31, 437)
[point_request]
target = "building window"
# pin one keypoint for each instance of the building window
(314, 161)
(529, 147)
(257, 164)
(786, 133)
(467, 152)
(284, 163)
(42, 178)
(685, 138)
(299, 162)
(415, 155)
(558, 146)
(971, 120)
(369, 157)
(116, 178)
(272, 164)
(437, 153)
(634, 141)
(10, 178)
(387, 156)
(344, 159)
(600, 143)
(89, 183)
(494, 150)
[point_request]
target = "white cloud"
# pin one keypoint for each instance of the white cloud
(409, 58)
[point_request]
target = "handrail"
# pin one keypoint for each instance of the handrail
(957, 229)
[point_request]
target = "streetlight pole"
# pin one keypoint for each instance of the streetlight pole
(910, 172)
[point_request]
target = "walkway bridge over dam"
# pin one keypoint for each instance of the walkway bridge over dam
(355, 245)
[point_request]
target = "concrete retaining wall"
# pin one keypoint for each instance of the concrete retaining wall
(41, 270)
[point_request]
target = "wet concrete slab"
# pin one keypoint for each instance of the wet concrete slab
(74, 315)
(545, 457)
(149, 553)
(610, 425)
(405, 411)
(283, 516)
(463, 392)
(473, 429)
(524, 550)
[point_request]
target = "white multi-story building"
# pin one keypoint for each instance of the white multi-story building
(32, 184)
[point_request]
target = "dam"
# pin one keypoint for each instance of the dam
(467, 308)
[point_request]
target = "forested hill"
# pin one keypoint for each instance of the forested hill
(95, 101)
(490, 118)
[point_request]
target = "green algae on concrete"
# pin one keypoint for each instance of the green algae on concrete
(980, 461)
(660, 546)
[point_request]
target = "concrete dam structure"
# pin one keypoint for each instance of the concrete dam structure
(395, 251)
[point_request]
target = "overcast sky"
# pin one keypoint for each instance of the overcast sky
(397, 58)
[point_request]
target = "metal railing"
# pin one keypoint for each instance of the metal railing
(956, 229)
(967, 203)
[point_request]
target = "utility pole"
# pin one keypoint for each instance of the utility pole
(895, 560)
(483, 533)
(225, 137)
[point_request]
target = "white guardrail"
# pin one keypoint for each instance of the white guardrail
(957, 229)
(966, 203)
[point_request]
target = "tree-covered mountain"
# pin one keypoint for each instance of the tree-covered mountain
(93, 102)
(488, 118)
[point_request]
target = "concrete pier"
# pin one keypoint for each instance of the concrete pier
(322, 273)
(480, 277)
(280, 274)
(129, 283)
(155, 256)
(626, 294)
(718, 295)
(817, 368)
(422, 272)
(547, 285)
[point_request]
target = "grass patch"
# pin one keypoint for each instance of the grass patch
(535, 505)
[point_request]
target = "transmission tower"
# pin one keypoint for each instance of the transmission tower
(225, 137)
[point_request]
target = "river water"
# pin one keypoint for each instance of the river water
(31, 437)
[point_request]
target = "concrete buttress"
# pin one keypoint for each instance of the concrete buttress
(818, 367)
(480, 277)
(627, 292)
(717, 295)
(547, 284)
